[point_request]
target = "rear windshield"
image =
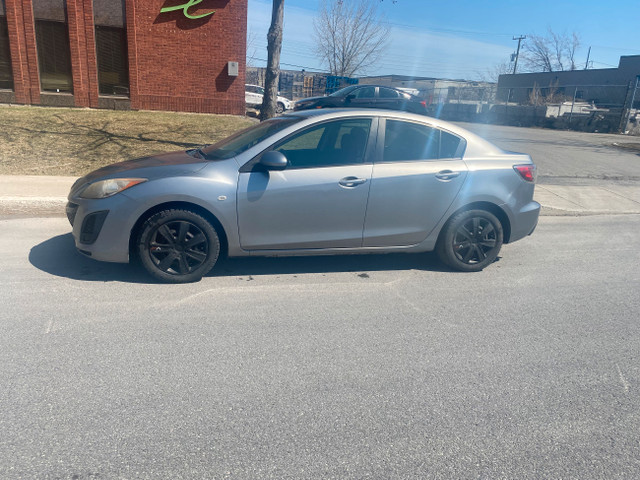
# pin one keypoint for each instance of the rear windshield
(247, 138)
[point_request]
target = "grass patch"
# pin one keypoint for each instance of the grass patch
(69, 141)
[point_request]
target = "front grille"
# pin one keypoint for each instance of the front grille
(72, 209)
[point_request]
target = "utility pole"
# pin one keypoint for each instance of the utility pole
(586, 65)
(520, 38)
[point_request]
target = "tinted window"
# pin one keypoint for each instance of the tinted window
(111, 47)
(343, 92)
(52, 38)
(405, 141)
(388, 93)
(365, 92)
(6, 74)
(341, 142)
(449, 145)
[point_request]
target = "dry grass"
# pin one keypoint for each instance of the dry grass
(65, 141)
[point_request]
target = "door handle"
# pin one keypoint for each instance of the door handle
(447, 175)
(352, 181)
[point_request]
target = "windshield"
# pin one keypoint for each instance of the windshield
(343, 92)
(247, 138)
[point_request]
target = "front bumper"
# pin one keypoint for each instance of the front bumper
(101, 228)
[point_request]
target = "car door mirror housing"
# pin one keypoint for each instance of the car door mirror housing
(274, 160)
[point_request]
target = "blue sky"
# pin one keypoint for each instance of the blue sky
(460, 39)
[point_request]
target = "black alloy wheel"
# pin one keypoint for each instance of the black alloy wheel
(178, 246)
(471, 240)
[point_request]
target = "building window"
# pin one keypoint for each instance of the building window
(111, 47)
(52, 38)
(6, 74)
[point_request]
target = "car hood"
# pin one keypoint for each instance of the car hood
(152, 167)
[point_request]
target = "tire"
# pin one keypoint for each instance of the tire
(279, 108)
(178, 246)
(470, 240)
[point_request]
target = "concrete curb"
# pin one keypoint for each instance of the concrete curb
(46, 195)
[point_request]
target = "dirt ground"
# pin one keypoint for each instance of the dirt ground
(65, 141)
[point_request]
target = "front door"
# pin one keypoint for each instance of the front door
(319, 200)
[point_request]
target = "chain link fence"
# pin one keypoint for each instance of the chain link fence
(591, 108)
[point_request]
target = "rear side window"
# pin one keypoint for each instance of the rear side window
(407, 141)
(388, 93)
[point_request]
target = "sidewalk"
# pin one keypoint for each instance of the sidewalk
(48, 196)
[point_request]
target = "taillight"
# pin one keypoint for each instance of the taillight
(527, 172)
(424, 103)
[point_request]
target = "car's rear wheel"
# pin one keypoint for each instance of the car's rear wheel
(178, 246)
(470, 241)
(279, 107)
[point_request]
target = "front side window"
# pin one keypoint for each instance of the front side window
(407, 141)
(6, 74)
(341, 142)
(52, 38)
(111, 47)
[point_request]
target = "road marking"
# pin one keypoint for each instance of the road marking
(625, 384)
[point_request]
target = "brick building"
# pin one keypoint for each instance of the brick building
(179, 55)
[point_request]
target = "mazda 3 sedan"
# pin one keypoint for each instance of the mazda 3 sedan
(313, 182)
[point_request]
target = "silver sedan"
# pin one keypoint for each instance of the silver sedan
(310, 183)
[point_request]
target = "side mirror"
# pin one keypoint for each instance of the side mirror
(274, 160)
(350, 97)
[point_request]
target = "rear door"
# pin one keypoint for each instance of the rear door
(417, 174)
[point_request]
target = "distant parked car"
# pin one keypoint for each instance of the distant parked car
(318, 182)
(366, 96)
(253, 97)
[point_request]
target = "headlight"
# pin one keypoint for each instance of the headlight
(106, 188)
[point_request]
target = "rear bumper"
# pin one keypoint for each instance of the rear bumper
(525, 221)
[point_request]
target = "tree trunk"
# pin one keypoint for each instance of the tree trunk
(274, 45)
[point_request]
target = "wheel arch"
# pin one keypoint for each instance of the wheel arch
(203, 212)
(489, 207)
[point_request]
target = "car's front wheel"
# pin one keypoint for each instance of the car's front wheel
(279, 107)
(178, 246)
(470, 241)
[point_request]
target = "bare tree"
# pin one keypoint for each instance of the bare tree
(551, 52)
(274, 46)
(252, 49)
(349, 35)
(492, 74)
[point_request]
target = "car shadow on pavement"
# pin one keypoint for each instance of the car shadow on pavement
(327, 264)
(58, 256)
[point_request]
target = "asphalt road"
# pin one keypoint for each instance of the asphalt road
(337, 367)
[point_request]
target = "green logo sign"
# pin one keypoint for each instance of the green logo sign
(185, 9)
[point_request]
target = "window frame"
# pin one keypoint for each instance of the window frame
(367, 158)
